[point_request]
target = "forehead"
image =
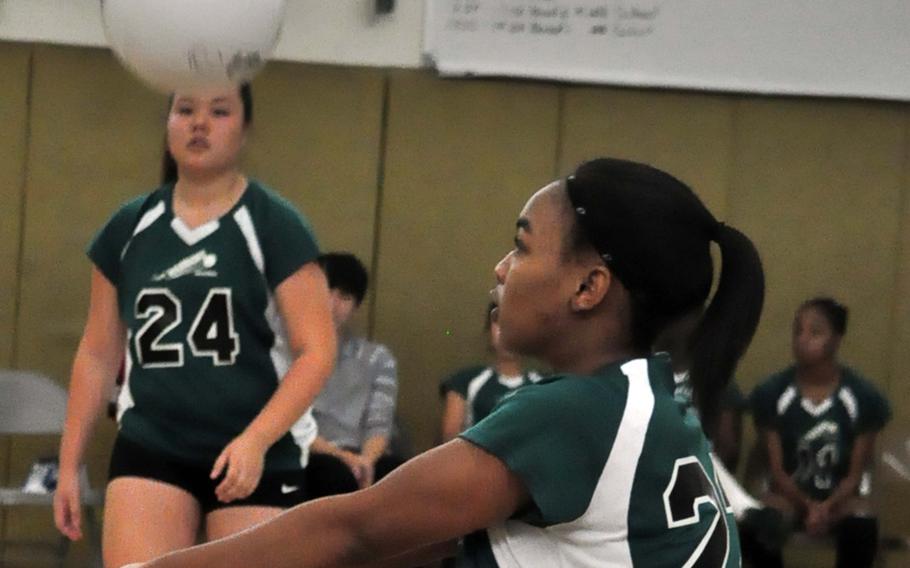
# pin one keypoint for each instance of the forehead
(811, 315)
(546, 208)
(208, 96)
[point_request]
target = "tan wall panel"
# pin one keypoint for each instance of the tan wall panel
(96, 139)
(316, 139)
(463, 157)
(688, 135)
(900, 338)
(817, 185)
(14, 60)
(895, 489)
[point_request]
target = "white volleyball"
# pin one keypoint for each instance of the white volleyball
(193, 44)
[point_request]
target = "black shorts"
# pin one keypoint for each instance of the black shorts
(282, 489)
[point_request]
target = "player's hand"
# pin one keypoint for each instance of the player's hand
(359, 466)
(68, 505)
(241, 461)
(367, 470)
(818, 518)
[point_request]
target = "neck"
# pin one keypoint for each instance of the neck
(818, 373)
(589, 348)
(507, 366)
(208, 188)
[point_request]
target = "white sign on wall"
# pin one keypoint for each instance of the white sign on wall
(858, 48)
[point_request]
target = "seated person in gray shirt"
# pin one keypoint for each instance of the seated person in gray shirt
(355, 411)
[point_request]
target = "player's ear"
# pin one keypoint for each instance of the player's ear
(592, 289)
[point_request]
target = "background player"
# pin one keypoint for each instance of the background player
(355, 411)
(602, 261)
(819, 420)
(207, 288)
(472, 393)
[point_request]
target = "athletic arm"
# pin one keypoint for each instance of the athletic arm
(440, 495)
(98, 358)
(863, 447)
(453, 415)
(303, 302)
(418, 557)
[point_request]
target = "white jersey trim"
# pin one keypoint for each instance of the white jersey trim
(786, 399)
(599, 538)
(474, 387)
(125, 398)
(193, 236)
(848, 399)
(144, 223)
(245, 222)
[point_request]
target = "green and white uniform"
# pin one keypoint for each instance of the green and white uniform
(206, 347)
(817, 438)
(618, 472)
(482, 388)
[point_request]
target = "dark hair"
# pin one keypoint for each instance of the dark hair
(169, 166)
(345, 272)
(835, 312)
(654, 235)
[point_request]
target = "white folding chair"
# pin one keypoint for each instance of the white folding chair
(33, 404)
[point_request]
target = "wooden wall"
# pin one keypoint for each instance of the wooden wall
(422, 178)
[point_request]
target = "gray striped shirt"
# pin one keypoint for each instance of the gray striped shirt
(358, 401)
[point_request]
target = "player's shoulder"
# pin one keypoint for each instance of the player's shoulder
(264, 199)
(855, 379)
(774, 385)
(570, 394)
(466, 373)
(459, 380)
(856, 383)
(131, 212)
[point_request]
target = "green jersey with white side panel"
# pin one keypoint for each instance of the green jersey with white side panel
(206, 347)
(618, 473)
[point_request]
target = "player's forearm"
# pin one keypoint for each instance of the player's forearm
(418, 557)
(295, 394)
(789, 490)
(374, 447)
(844, 490)
(859, 460)
(91, 379)
(322, 446)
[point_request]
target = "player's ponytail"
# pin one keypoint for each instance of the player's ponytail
(729, 322)
(654, 235)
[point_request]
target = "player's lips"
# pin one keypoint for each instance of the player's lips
(198, 143)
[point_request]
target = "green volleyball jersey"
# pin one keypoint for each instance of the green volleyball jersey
(617, 470)
(206, 347)
(483, 388)
(817, 438)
